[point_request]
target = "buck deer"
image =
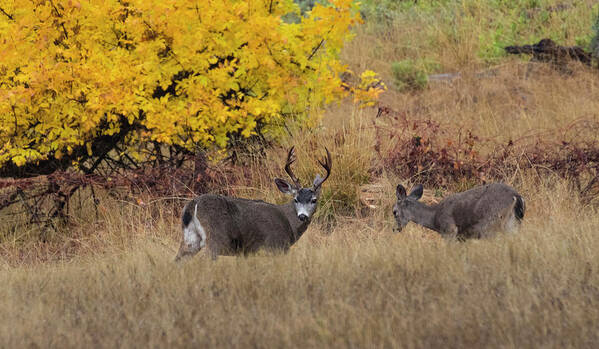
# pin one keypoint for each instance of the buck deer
(232, 226)
(476, 213)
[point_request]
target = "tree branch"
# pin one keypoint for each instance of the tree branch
(316, 49)
(7, 14)
(100, 145)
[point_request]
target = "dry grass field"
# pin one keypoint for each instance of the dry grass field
(108, 278)
(351, 286)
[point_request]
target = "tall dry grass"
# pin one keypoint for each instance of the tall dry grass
(108, 279)
(351, 286)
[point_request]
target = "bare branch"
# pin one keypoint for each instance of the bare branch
(7, 14)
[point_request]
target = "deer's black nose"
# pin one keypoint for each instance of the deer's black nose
(302, 217)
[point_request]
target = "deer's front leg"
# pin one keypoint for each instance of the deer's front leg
(447, 227)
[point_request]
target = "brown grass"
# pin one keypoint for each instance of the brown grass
(109, 279)
(351, 286)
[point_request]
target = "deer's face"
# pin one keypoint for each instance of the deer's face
(400, 212)
(305, 200)
(403, 210)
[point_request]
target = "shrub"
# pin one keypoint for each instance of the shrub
(407, 76)
(595, 40)
(124, 92)
(83, 81)
(448, 155)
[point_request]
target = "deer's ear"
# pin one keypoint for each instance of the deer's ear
(417, 191)
(317, 181)
(284, 187)
(400, 192)
(317, 184)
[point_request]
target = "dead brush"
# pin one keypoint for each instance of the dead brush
(443, 155)
(426, 150)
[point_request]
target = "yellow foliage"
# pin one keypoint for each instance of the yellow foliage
(369, 89)
(176, 72)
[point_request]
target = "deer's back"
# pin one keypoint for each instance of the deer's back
(484, 206)
(241, 224)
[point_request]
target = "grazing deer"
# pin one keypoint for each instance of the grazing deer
(476, 213)
(231, 226)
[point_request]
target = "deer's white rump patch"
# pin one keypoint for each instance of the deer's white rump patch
(194, 234)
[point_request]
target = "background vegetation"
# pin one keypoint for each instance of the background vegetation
(82, 80)
(107, 278)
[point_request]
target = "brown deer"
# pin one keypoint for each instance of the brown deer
(234, 226)
(476, 213)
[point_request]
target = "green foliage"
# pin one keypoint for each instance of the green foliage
(481, 27)
(594, 44)
(385, 11)
(411, 75)
(307, 5)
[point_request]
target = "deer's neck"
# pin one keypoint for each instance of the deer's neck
(424, 215)
(298, 227)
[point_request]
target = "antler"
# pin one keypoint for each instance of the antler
(291, 160)
(326, 163)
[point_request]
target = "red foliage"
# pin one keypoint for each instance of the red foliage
(439, 155)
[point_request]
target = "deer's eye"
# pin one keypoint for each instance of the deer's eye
(314, 200)
(295, 200)
(395, 212)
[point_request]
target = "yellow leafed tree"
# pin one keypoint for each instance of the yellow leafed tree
(79, 79)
